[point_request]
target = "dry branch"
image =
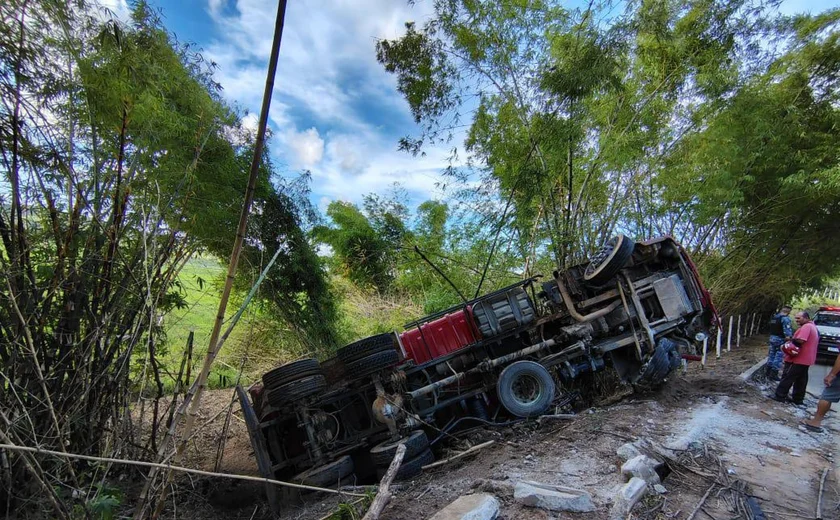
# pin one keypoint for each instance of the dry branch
(702, 501)
(384, 494)
(818, 514)
(459, 455)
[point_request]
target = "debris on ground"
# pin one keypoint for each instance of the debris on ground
(553, 498)
(470, 507)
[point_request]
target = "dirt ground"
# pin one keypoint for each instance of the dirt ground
(725, 425)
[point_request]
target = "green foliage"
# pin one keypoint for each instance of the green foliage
(714, 121)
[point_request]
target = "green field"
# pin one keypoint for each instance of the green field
(201, 282)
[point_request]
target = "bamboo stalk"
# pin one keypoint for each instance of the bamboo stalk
(170, 467)
(214, 344)
(191, 398)
(384, 495)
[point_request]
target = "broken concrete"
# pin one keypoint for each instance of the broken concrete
(627, 497)
(470, 507)
(628, 451)
(553, 498)
(642, 467)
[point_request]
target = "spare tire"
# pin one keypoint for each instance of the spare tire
(606, 263)
(290, 372)
(382, 454)
(525, 388)
(373, 363)
(299, 389)
(365, 347)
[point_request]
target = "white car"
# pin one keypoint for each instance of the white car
(827, 320)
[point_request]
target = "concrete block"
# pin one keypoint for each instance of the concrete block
(627, 497)
(628, 451)
(470, 507)
(553, 498)
(643, 467)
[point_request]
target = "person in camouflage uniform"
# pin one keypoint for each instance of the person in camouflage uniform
(780, 331)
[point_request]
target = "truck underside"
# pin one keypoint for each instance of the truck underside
(636, 309)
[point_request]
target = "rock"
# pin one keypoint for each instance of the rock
(627, 497)
(470, 507)
(659, 488)
(628, 451)
(642, 467)
(553, 498)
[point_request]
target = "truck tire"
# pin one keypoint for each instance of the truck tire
(525, 388)
(372, 363)
(609, 260)
(290, 372)
(382, 454)
(365, 347)
(299, 389)
(326, 475)
(410, 468)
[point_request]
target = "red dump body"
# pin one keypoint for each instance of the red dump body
(439, 337)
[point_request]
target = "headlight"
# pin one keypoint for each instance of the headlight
(700, 336)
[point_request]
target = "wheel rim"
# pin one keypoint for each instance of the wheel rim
(526, 389)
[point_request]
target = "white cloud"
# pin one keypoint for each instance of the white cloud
(331, 96)
(307, 147)
(118, 8)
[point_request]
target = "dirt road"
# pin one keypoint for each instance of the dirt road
(755, 440)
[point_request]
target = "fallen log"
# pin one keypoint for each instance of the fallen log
(384, 495)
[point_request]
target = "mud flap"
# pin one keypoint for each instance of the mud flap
(260, 449)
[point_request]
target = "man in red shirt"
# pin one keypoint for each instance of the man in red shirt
(796, 368)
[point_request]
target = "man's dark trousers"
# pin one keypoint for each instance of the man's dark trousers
(796, 376)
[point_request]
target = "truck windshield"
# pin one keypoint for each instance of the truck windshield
(829, 320)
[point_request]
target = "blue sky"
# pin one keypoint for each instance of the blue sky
(335, 111)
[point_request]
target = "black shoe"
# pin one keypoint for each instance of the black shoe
(798, 404)
(777, 398)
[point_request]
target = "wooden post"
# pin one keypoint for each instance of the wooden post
(717, 343)
(705, 349)
(738, 335)
(729, 336)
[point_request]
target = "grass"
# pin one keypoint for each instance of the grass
(201, 283)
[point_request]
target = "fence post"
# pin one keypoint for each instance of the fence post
(717, 342)
(729, 336)
(738, 335)
(705, 349)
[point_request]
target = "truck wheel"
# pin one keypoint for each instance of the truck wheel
(382, 454)
(525, 388)
(607, 262)
(373, 363)
(365, 347)
(296, 390)
(326, 475)
(410, 468)
(290, 372)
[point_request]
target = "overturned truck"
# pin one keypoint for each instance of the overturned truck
(636, 308)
